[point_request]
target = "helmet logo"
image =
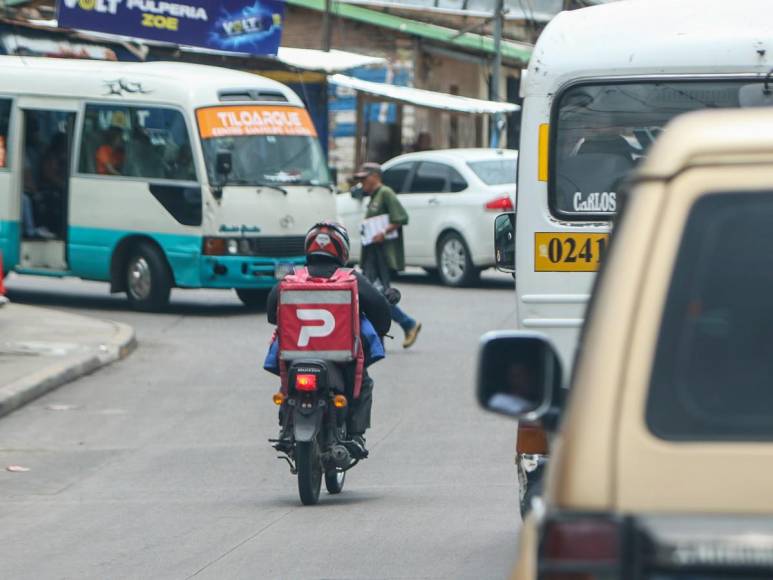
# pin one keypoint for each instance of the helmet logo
(322, 240)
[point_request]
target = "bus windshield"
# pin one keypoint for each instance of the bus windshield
(604, 130)
(269, 145)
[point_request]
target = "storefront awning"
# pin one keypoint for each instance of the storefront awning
(423, 98)
(329, 62)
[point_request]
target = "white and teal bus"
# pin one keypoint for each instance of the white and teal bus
(157, 175)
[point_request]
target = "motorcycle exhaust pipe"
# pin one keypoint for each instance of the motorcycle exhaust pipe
(340, 456)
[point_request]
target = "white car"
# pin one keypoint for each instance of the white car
(452, 197)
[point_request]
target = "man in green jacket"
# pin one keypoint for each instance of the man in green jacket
(386, 253)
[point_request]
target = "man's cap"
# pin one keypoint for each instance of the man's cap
(366, 169)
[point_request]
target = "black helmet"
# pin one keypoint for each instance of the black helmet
(328, 239)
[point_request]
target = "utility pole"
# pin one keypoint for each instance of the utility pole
(496, 72)
(326, 27)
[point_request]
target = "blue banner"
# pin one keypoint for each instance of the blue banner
(232, 25)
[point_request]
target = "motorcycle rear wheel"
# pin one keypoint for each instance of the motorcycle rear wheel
(334, 481)
(309, 468)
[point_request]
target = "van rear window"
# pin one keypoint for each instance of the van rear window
(712, 377)
(602, 131)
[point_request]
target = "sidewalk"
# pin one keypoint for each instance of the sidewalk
(41, 349)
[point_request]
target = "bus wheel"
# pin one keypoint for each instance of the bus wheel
(455, 266)
(253, 297)
(148, 281)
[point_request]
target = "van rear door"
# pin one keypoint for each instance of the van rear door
(695, 424)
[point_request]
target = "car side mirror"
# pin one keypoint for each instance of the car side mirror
(504, 242)
(223, 163)
(519, 374)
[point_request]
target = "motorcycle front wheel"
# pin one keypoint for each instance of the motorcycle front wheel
(309, 467)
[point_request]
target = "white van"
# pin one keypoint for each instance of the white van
(155, 175)
(601, 84)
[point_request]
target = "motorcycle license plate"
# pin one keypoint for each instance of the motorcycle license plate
(283, 269)
(568, 252)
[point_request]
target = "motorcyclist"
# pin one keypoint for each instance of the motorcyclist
(327, 250)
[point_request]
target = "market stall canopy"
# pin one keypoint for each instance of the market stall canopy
(329, 62)
(424, 98)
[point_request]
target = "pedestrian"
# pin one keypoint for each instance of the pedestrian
(385, 254)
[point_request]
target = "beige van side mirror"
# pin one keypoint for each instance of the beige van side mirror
(519, 374)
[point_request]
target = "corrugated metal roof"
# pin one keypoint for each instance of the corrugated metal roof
(517, 51)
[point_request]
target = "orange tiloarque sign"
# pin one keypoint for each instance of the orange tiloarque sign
(244, 120)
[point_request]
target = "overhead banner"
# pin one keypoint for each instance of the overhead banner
(231, 25)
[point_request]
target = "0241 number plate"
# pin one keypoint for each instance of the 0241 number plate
(568, 252)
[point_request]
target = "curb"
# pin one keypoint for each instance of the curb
(21, 392)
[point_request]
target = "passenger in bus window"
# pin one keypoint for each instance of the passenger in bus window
(110, 156)
(142, 158)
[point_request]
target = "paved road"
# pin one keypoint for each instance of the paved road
(157, 467)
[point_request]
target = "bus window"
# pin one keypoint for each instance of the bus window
(145, 142)
(5, 118)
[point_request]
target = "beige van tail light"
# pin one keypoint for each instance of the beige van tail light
(580, 547)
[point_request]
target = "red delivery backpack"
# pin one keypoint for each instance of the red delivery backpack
(320, 318)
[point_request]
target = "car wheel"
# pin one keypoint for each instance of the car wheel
(455, 266)
(148, 279)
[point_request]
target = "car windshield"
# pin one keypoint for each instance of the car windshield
(495, 171)
(604, 131)
(274, 145)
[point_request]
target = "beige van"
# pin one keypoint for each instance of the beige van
(663, 465)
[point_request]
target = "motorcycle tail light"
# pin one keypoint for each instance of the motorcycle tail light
(306, 382)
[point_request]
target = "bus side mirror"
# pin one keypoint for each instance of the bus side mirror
(223, 163)
(519, 374)
(504, 242)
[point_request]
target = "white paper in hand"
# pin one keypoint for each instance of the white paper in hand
(371, 227)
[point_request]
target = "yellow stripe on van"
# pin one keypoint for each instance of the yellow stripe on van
(544, 134)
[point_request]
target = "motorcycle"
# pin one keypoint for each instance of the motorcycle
(314, 439)
(314, 418)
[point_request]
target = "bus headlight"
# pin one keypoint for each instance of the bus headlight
(233, 247)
